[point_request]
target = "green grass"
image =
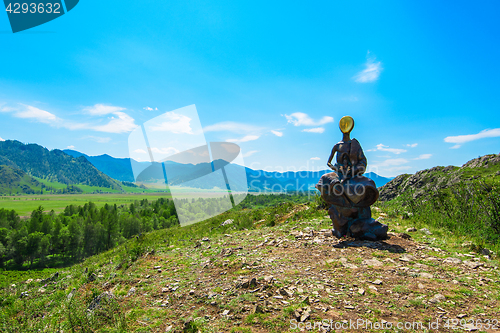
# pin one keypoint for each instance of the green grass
(24, 205)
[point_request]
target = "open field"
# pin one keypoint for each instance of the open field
(24, 205)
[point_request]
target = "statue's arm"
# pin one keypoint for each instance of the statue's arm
(362, 162)
(329, 163)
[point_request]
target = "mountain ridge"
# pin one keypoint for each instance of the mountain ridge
(486, 168)
(53, 165)
(121, 169)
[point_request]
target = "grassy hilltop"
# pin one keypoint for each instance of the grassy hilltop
(258, 270)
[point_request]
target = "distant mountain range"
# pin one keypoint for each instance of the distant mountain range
(121, 169)
(31, 168)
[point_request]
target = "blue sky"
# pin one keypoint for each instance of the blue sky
(420, 78)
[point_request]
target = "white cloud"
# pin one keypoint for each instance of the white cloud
(314, 130)
(101, 109)
(70, 147)
(413, 145)
(455, 147)
(460, 139)
(2, 139)
(371, 72)
(140, 151)
(122, 123)
(245, 138)
(303, 119)
(147, 108)
(423, 157)
(176, 123)
(72, 125)
(399, 168)
(381, 147)
(230, 126)
(392, 162)
(250, 153)
(32, 112)
(277, 133)
(315, 158)
(164, 151)
(97, 139)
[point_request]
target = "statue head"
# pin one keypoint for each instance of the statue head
(346, 124)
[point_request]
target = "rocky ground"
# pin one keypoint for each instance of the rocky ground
(296, 276)
(271, 279)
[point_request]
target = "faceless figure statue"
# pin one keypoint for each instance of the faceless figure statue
(348, 192)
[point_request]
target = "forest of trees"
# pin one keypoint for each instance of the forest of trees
(78, 232)
(50, 239)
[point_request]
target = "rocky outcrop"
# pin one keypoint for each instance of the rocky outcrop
(437, 178)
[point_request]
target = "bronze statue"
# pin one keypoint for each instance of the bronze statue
(348, 192)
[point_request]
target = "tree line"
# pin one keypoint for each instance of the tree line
(46, 239)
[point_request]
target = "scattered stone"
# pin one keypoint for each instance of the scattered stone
(470, 327)
(361, 291)
(426, 231)
(305, 315)
(256, 309)
(420, 286)
(349, 307)
(406, 258)
(305, 300)
(461, 315)
(227, 222)
(164, 290)
(377, 282)
(225, 313)
(372, 262)
(452, 260)
(41, 290)
(191, 292)
(437, 298)
(131, 291)
(205, 239)
(346, 264)
(247, 283)
(268, 278)
(471, 264)
(285, 292)
(426, 275)
(412, 229)
(373, 288)
(486, 252)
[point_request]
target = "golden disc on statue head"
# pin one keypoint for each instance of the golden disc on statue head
(346, 124)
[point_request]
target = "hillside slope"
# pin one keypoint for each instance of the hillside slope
(249, 277)
(485, 168)
(54, 165)
(14, 181)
